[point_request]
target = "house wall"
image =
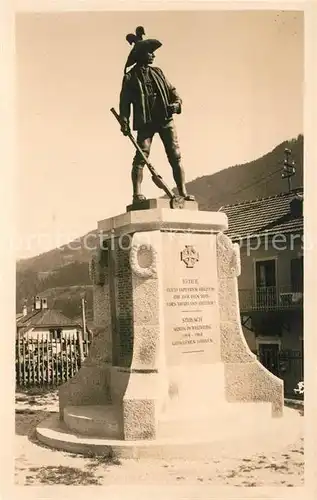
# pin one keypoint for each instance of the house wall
(34, 333)
(290, 338)
(291, 332)
(291, 250)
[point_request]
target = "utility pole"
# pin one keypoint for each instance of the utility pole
(288, 168)
(83, 312)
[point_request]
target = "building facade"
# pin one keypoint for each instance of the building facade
(269, 232)
(45, 324)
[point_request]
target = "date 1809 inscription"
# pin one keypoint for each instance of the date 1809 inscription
(190, 308)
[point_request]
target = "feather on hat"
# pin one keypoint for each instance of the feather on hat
(140, 46)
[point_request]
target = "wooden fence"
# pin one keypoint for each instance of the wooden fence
(43, 361)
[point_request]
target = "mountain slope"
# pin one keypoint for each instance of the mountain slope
(256, 179)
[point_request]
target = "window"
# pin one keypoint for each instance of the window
(55, 334)
(265, 283)
(265, 273)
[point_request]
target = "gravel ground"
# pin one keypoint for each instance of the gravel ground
(39, 465)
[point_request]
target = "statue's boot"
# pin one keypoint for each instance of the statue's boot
(137, 178)
(179, 178)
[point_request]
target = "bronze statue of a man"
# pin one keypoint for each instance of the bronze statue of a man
(154, 102)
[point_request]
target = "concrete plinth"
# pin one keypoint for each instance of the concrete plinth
(237, 435)
(169, 360)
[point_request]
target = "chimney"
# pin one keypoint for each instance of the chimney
(296, 206)
(37, 303)
(25, 310)
(44, 303)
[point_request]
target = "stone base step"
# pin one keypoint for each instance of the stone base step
(223, 420)
(274, 436)
(98, 421)
(104, 420)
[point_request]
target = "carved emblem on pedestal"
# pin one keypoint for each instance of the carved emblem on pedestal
(189, 256)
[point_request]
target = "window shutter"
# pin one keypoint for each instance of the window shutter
(297, 274)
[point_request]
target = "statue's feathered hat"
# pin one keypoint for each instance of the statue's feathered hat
(140, 46)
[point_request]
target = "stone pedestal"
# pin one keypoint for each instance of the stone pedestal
(169, 359)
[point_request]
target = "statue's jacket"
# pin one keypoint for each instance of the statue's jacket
(133, 92)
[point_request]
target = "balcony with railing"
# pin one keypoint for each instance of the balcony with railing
(270, 298)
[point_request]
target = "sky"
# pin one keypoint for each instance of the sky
(240, 75)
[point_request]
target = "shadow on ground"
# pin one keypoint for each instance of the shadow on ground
(27, 417)
(26, 420)
(67, 476)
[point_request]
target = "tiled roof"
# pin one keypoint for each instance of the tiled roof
(262, 216)
(46, 318)
(89, 322)
(25, 320)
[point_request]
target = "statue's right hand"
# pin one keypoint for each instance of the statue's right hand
(125, 128)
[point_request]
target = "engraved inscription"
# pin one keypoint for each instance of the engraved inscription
(192, 301)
